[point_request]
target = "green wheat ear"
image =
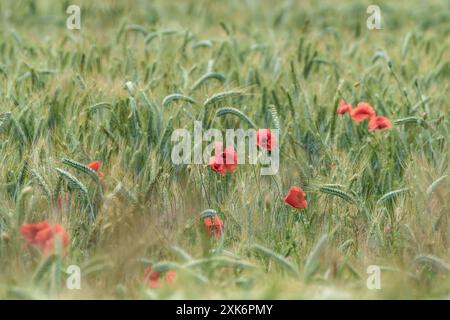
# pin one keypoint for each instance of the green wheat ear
(175, 97)
(228, 110)
(214, 99)
(223, 95)
(19, 132)
(42, 183)
(435, 184)
(275, 118)
(57, 188)
(210, 75)
(20, 205)
(4, 119)
(135, 119)
(391, 194)
(164, 266)
(411, 120)
(98, 106)
(338, 193)
(77, 184)
(152, 35)
(166, 135)
(83, 168)
(74, 182)
(208, 213)
(202, 44)
(136, 28)
(433, 261)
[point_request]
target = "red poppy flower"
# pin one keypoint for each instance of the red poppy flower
(170, 277)
(42, 235)
(380, 123)
(296, 198)
(153, 277)
(223, 161)
(264, 139)
(217, 167)
(214, 226)
(362, 111)
(95, 165)
(344, 107)
(229, 157)
(29, 231)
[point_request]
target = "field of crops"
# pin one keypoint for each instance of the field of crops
(92, 204)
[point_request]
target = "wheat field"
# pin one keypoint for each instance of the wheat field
(115, 90)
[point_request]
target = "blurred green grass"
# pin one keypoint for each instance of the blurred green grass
(294, 60)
